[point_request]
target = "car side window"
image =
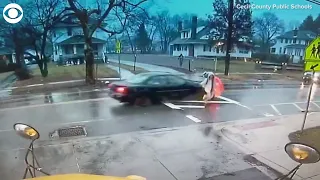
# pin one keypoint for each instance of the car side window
(158, 80)
(173, 80)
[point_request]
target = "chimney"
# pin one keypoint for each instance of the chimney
(194, 27)
(295, 33)
(180, 26)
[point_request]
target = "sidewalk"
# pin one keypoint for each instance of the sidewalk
(265, 140)
(125, 74)
(185, 153)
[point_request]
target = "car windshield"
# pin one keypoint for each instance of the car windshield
(139, 78)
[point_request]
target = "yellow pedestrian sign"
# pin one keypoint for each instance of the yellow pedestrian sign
(308, 65)
(118, 47)
(313, 51)
(312, 55)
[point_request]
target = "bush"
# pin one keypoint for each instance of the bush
(3, 66)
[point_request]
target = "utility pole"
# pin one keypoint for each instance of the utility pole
(229, 38)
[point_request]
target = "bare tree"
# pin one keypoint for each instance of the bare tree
(267, 27)
(112, 12)
(41, 17)
(166, 29)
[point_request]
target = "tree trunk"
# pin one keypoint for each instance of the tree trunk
(89, 61)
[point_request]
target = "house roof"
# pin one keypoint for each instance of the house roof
(205, 41)
(303, 35)
(79, 39)
(204, 30)
(296, 46)
(189, 41)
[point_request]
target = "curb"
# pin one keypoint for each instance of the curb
(63, 84)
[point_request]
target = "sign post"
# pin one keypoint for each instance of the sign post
(312, 61)
(118, 51)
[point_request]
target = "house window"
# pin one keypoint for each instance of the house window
(280, 50)
(290, 41)
(298, 41)
(284, 50)
(243, 51)
(281, 40)
(187, 35)
(273, 50)
(69, 31)
(210, 48)
(286, 41)
(306, 42)
(56, 50)
(185, 48)
(184, 34)
(217, 50)
(204, 48)
(179, 47)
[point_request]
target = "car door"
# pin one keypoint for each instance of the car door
(158, 87)
(177, 87)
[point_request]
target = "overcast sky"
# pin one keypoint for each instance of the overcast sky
(204, 7)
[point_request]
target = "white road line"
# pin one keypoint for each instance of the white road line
(297, 106)
(172, 106)
(316, 104)
(275, 109)
(190, 106)
(229, 100)
(55, 104)
(209, 102)
(284, 103)
(268, 114)
(196, 120)
(234, 102)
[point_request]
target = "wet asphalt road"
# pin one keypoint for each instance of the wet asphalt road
(102, 115)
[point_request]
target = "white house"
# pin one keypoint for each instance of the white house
(68, 40)
(195, 42)
(293, 43)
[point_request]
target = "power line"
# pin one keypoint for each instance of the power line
(314, 2)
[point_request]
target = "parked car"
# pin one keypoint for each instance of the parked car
(307, 78)
(153, 87)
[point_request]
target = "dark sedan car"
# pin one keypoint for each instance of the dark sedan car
(153, 87)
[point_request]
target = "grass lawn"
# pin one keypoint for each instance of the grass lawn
(65, 73)
(309, 136)
(235, 66)
(240, 66)
(3, 76)
(129, 68)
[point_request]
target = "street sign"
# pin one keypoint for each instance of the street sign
(313, 51)
(118, 47)
(308, 65)
(312, 55)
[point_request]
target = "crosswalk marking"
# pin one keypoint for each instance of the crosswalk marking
(172, 106)
(193, 118)
(209, 102)
(275, 109)
(297, 106)
(191, 106)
